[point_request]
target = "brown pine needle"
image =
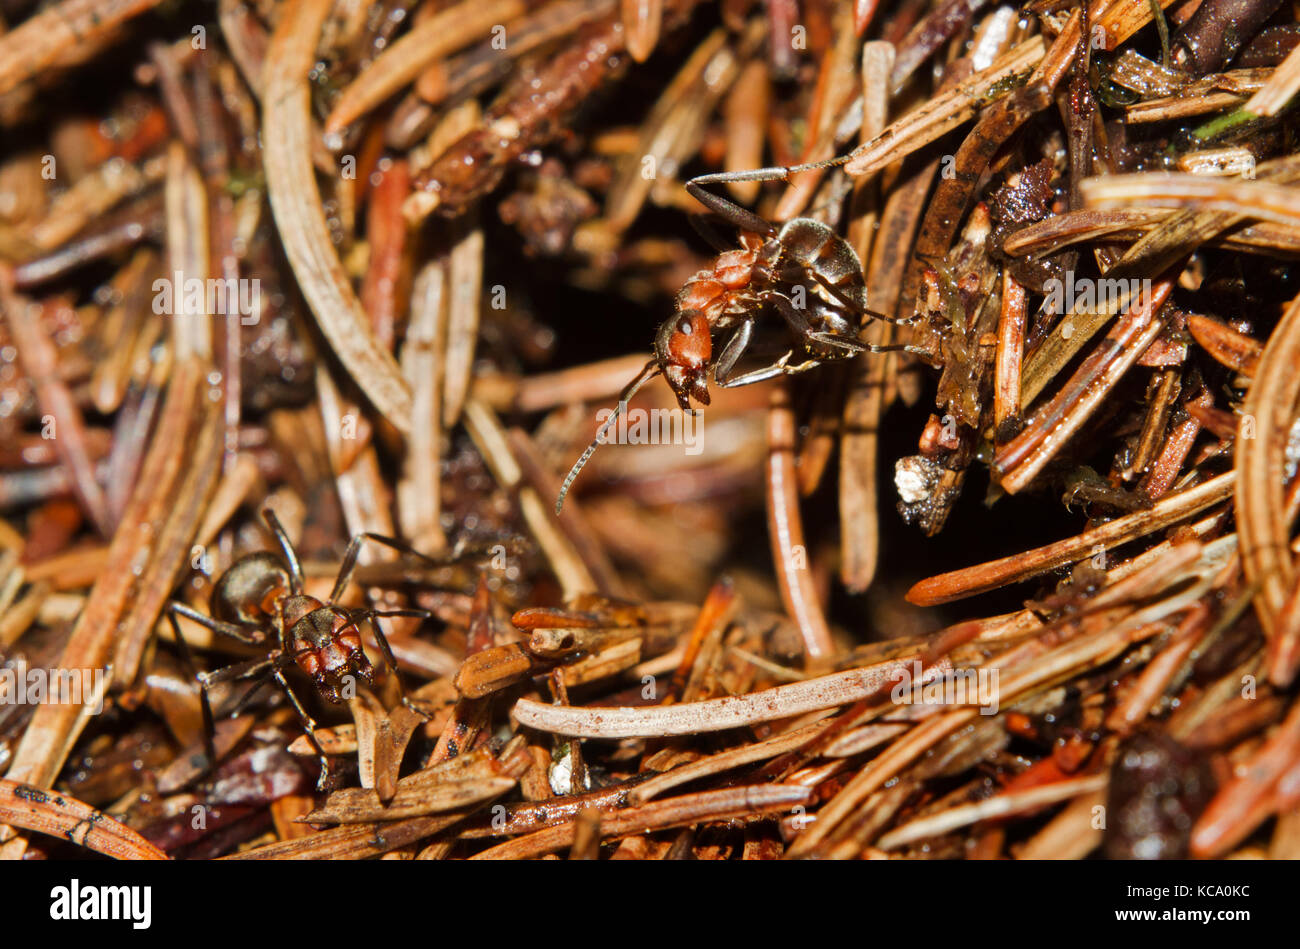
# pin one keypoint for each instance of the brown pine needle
(996, 573)
(59, 815)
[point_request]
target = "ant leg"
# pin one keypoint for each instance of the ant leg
(290, 555)
(705, 226)
(326, 780)
(349, 564)
(734, 213)
(240, 672)
(251, 669)
(757, 375)
(857, 308)
(737, 344)
(727, 209)
(387, 649)
(347, 568)
(246, 699)
(379, 633)
(799, 323)
(233, 630)
(731, 353)
(205, 707)
(779, 368)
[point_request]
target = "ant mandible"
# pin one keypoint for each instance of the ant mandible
(259, 601)
(764, 272)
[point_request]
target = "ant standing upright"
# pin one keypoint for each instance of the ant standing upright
(259, 601)
(801, 269)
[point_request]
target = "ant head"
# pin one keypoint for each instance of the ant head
(325, 643)
(683, 349)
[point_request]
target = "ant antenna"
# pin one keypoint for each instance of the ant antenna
(645, 375)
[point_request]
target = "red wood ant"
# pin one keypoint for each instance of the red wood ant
(259, 601)
(801, 269)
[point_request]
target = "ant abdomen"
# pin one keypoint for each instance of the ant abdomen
(247, 593)
(821, 251)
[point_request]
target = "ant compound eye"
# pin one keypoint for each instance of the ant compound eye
(685, 327)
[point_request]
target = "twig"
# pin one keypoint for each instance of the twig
(944, 113)
(46, 38)
(1265, 200)
(401, 63)
(723, 761)
(54, 727)
(1051, 427)
(40, 359)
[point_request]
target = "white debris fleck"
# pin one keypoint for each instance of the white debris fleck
(912, 477)
(561, 772)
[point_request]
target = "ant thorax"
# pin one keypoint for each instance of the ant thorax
(722, 290)
(295, 608)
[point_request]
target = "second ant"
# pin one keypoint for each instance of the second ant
(800, 270)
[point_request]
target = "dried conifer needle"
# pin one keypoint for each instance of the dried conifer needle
(296, 201)
(57, 814)
(784, 701)
(997, 573)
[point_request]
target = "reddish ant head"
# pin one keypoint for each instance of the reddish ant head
(326, 644)
(683, 348)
